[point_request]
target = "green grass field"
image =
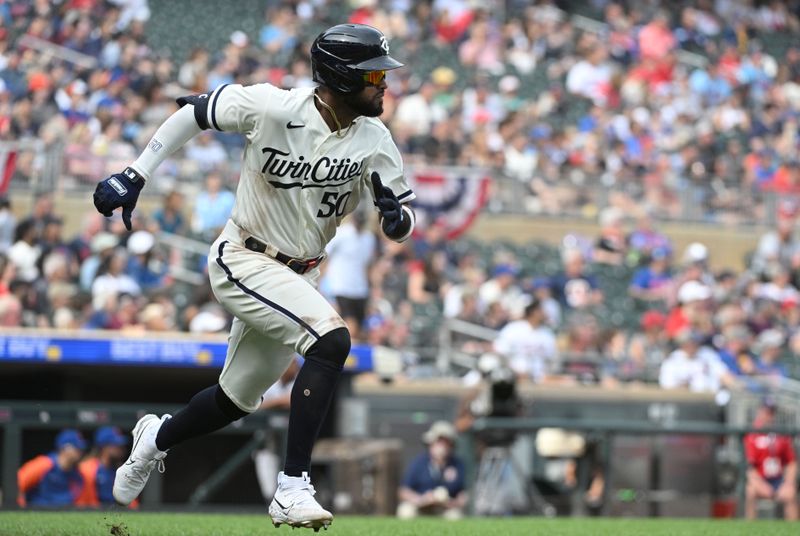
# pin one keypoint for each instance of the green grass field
(143, 524)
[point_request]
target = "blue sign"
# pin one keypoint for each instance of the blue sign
(178, 352)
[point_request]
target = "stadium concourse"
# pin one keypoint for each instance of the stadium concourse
(623, 115)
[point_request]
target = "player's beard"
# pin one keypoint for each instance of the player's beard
(364, 105)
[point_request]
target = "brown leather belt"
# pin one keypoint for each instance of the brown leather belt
(297, 265)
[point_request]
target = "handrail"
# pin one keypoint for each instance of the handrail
(183, 243)
(624, 426)
(72, 56)
(473, 330)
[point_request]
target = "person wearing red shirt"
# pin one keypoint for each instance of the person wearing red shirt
(773, 469)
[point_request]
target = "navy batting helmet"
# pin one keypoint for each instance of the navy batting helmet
(343, 54)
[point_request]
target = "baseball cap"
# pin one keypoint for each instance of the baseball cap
(693, 291)
(109, 435)
(70, 437)
(505, 269)
(440, 429)
(102, 241)
(689, 335)
(540, 282)
(770, 338)
(141, 242)
(695, 252)
(659, 253)
(508, 84)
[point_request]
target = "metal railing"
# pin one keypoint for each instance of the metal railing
(186, 250)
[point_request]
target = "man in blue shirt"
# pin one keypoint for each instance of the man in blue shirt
(53, 480)
(98, 471)
(434, 481)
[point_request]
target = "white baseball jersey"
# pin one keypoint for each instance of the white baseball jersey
(298, 178)
(531, 351)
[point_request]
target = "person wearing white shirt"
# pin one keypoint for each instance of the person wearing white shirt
(529, 344)
(692, 366)
(112, 281)
(350, 253)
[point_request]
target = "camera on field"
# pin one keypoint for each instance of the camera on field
(497, 398)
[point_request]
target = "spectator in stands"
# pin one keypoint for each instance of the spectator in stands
(772, 471)
(693, 366)
(52, 240)
(53, 480)
(157, 317)
(41, 212)
(502, 289)
(8, 223)
(778, 287)
(102, 246)
(693, 301)
(145, 265)
(735, 347)
(575, 287)
(279, 35)
(99, 469)
(591, 77)
(769, 347)
(55, 289)
(434, 481)
(81, 246)
(417, 112)
(654, 281)
(610, 247)
(541, 290)
(209, 153)
(350, 254)
(647, 349)
(112, 281)
(212, 206)
(169, 217)
(25, 252)
(644, 239)
(655, 38)
(426, 279)
(529, 345)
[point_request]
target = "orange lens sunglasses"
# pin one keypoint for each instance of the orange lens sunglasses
(374, 77)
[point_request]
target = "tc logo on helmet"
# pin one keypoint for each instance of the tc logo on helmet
(385, 44)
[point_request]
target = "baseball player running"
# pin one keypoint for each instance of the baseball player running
(309, 157)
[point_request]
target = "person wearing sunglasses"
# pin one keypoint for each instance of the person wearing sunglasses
(311, 154)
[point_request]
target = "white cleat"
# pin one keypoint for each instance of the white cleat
(145, 456)
(294, 504)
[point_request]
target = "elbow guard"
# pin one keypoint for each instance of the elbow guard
(200, 103)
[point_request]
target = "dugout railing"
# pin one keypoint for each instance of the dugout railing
(17, 417)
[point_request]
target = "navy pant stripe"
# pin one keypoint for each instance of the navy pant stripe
(261, 298)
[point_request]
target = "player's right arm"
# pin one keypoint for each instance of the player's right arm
(229, 108)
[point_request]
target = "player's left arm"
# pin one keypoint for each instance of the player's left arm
(391, 191)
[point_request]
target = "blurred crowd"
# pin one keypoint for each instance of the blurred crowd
(680, 109)
(684, 109)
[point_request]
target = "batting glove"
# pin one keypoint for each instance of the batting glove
(119, 190)
(388, 205)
